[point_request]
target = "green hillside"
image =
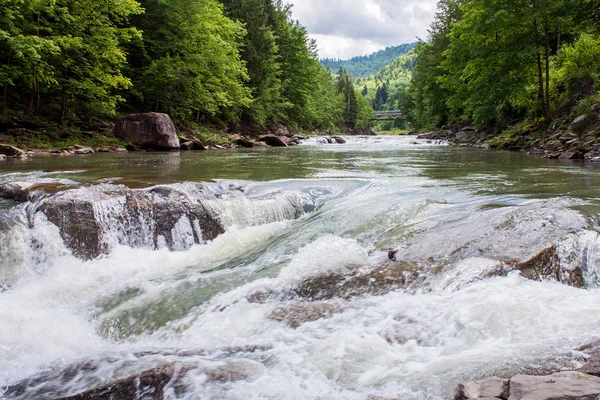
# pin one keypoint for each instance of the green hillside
(362, 66)
(383, 88)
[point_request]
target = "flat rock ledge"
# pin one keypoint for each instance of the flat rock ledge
(566, 385)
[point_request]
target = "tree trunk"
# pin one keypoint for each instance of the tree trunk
(547, 56)
(63, 105)
(5, 94)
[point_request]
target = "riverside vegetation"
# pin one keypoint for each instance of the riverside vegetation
(525, 73)
(68, 67)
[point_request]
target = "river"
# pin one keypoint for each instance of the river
(227, 309)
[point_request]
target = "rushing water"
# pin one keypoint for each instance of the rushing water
(457, 214)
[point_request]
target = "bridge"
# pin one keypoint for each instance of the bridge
(389, 115)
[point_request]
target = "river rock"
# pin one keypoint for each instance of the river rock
(347, 283)
(3, 157)
(274, 141)
(297, 314)
(572, 154)
(147, 385)
(92, 219)
(11, 151)
(339, 140)
(545, 266)
(189, 145)
(154, 131)
(17, 191)
(488, 388)
(82, 149)
(581, 123)
(569, 385)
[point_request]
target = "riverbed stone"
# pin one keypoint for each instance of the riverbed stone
(568, 385)
(488, 388)
(545, 266)
(572, 154)
(11, 151)
(339, 140)
(89, 218)
(297, 314)
(147, 385)
(153, 131)
(274, 141)
(17, 191)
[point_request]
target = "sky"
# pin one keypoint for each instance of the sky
(348, 28)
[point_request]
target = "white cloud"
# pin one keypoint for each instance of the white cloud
(344, 28)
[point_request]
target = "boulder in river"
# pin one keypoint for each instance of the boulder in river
(545, 266)
(566, 385)
(489, 388)
(89, 219)
(274, 141)
(348, 283)
(11, 151)
(153, 131)
(572, 154)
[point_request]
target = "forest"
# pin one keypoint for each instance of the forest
(362, 66)
(203, 62)
(495, 63)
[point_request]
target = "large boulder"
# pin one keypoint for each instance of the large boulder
(153, 131)
(581, 123)
(274, 141)
(91, 220)
(11, 151)
(558, 386)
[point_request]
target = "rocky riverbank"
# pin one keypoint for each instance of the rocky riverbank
(146, 132)
(567, 138)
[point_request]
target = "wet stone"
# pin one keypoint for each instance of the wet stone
(545, 266)
(488, 388)
(297, 314)
(138, 218)
(561, 385)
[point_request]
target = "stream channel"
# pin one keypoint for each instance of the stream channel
(245, 292)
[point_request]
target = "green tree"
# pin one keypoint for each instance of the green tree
(188, 63)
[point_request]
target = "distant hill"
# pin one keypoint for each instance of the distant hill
(383, 88)
(367, 65)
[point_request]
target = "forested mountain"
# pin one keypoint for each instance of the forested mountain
(201, 61)
(493, 63)
(383, 88)
(361, 66)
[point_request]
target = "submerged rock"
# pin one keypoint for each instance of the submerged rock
(297, 314)
(154, 131)
(151, 218)
(347, 283)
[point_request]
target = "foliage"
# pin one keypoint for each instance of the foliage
(496, 62)
(188, 62)
(362, 66)
(201, 61)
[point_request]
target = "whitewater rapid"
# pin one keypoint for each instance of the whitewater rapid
(137, 307)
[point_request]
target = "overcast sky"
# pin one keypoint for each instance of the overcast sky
(347, 28)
